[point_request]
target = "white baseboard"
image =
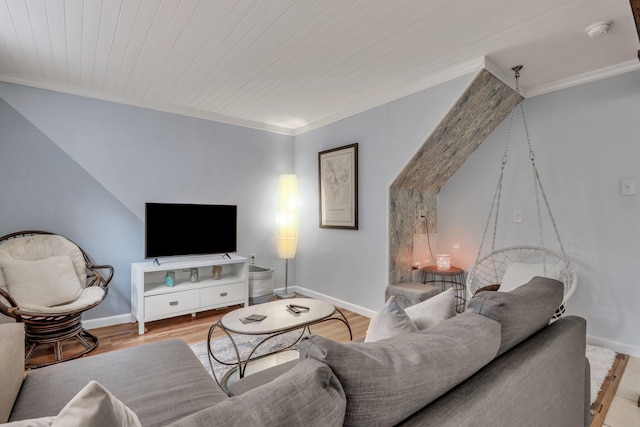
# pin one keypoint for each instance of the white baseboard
(618, 347)
(108, 321)
(335, 301)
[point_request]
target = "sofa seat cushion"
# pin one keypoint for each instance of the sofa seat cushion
(160, 382)
(307, 395)
(388, 380)
(522, 311)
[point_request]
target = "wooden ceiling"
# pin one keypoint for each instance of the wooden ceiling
(289, 65)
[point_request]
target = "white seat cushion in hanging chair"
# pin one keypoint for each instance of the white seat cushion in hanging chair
(519, 273)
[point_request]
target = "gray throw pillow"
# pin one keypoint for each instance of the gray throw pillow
(522, 311)
(388, 380)
(307, 395)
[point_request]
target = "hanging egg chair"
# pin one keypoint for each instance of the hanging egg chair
(507, 268)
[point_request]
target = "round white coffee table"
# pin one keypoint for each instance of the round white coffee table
(279, 319)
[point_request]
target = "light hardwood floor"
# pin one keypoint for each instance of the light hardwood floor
(195, 329)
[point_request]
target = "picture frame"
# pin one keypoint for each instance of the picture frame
(338, 187)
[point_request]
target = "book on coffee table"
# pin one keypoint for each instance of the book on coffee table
(253, 318)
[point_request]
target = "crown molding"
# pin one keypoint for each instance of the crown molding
(459, 70)
(580, 79)
(102, 96)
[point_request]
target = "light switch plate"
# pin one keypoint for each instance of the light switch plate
(628, 187)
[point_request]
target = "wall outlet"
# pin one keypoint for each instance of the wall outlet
(517, 216)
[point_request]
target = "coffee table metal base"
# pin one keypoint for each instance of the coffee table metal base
(280, 321)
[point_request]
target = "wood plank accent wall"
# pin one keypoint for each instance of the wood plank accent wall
(486, 102)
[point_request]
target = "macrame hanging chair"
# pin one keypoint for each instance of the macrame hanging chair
(490, 269)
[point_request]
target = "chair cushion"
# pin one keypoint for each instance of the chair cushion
(31, 248)
(521, 312)
(388, 322)
(519, 273)
(88, 297)
(388, 380)
(45, 282)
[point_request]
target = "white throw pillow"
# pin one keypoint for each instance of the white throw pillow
(389, 322)
(33, 422)
(95, 406)
(45, 282)
(434, 310)
(519, 273)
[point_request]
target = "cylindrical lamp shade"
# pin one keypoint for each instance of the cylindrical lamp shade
(287, 216)
(443, 262)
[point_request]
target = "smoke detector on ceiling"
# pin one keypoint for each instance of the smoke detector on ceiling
(598, 29)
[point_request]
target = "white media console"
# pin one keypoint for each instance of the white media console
(152, 300)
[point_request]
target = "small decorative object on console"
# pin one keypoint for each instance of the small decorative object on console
(170, 278)
(194, 276)
(217, 272)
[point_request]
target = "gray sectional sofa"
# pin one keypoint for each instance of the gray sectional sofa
(498, 364)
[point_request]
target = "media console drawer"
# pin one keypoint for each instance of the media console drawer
(171, 303)
(219, 295)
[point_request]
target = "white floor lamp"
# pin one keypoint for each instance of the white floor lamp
(287, 225)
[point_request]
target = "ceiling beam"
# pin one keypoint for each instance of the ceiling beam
(635, 8)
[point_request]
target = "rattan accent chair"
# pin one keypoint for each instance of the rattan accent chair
(22, 294)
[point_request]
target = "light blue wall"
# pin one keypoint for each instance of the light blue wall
(41, 188)
(353, 265)
(585, 139)
(131, 156)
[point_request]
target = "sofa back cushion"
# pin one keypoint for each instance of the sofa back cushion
(522, 311)
(11, 367)
(307, 395)
(388, 380)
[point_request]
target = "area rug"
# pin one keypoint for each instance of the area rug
(224, 351)
(601, 360)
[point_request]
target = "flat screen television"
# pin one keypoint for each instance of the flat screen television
(174, 229)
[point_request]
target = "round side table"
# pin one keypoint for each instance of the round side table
(454, 277)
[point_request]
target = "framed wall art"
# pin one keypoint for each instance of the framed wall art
(338, 187)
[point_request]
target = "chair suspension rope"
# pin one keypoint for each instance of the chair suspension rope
(494, 211)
